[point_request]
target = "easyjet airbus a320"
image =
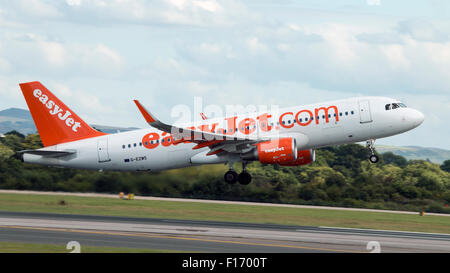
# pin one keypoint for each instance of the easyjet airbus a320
(287, 138)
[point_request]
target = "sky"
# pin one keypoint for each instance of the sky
(99, 55)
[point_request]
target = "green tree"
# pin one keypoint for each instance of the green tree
(446, 166)
(341, 176)
(5, 152)
(391, 158)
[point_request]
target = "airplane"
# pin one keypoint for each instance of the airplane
(287, 137)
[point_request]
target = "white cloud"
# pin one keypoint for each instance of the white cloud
(108, 54)
(62, 91)
(82, 101)
(73, 2)
(396, 57)
(4, 64)
(37, 8)
(204, 13)
(211, 48)
(255, 46)
(380, 38)
(209, 5)
(32, 51)
(422, 30)
(227, 51)
(55, 53)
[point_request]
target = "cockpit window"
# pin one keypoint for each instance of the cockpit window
(395, 105)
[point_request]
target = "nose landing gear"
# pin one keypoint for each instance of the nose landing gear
(232, 177)
(373, 158)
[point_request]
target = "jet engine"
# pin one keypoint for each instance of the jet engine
(275, 151)
(303, 157)
(282, 151)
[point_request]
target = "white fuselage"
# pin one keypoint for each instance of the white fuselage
(357, 119)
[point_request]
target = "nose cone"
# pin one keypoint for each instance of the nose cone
(417, 118)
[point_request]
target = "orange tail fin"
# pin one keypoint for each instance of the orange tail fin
(55, 122)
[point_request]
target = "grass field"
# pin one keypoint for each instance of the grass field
(223, 212)
(13, 247)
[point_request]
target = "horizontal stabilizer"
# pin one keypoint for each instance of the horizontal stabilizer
(47, 153)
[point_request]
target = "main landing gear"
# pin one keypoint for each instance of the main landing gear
(232, 177)
(373, 158)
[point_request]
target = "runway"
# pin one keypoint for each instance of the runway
(208, 236)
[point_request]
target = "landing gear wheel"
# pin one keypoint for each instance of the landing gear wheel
(244, 178)
(373, 158)
(231, 177)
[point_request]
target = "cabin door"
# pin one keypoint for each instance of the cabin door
(364, 111)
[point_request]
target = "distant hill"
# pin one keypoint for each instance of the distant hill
(16, 113)
(16, 119)
(21, 121)
(435, 155)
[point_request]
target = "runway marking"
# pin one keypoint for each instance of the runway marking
(385, 230)
(176, 237)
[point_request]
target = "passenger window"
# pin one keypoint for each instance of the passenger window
(346, 113)
(129, 145)
(352, 112)
(123, 146)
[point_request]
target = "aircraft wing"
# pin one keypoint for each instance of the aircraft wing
(202, 138)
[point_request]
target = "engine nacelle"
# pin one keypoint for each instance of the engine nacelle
(303, 157)
(274, 151)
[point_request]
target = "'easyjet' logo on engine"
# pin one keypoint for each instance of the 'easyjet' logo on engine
(55, 110)
(273, 150)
